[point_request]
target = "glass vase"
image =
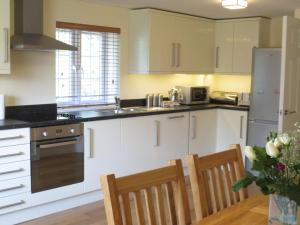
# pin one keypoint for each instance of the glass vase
(282, 210)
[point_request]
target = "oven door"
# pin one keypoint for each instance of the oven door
(199, 94)
(56, 163)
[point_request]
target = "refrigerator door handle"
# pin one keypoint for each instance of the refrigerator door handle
(241, 127)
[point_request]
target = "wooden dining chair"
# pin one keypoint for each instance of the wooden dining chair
(156, 197)
(212, 177)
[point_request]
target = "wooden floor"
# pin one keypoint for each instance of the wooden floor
(91, 214)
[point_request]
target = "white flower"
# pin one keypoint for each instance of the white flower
(272, 150)
(277, 143)
(250, 153)
(284, 138)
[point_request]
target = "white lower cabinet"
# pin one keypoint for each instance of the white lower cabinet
(203, 126)
(103, 152)
(231, 128)
(151, 141)
(14, 203)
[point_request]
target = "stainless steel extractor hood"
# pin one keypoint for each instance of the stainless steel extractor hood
(29, 28)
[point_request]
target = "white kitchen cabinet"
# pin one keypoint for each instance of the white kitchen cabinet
(151, 141)
(194, 40)
(231, 128)
(234, 42)
(5, 37)
(103, 152)
(203, 132)
(163, 42)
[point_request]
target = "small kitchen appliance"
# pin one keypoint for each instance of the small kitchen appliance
(223, 97)
(193, 95)
(244, 99)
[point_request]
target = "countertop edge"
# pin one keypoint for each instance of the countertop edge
(16, 124)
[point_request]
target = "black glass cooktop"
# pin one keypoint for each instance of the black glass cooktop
(49, 117)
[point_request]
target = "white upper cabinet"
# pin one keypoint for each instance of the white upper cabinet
(234, 42)
(5, 37)
(162, 42)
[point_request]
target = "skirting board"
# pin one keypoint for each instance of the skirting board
(50, 208)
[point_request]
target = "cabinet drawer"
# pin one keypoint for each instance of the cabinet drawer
(14, 203)
(14, 170)
(14, 153)
(14, 137)
(15, 186)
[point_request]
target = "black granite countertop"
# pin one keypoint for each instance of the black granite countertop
(12, 124)
(105, 114)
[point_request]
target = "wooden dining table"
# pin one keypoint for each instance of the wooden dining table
(252, 211)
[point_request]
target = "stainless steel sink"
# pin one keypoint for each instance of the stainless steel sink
(133, 110)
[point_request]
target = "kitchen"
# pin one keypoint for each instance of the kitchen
(158, 63)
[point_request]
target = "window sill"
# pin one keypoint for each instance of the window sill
(62, 109)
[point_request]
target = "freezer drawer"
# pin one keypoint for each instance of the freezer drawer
(258, 132)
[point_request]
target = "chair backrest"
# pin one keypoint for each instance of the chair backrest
(212, 177)
(153, 197)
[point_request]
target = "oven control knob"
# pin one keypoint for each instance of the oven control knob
(72, 131)
(45, 134)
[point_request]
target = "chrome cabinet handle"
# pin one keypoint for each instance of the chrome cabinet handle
(217, 56)
(12, 188)
(173, 54)
(11, 155)
(11, 138)
(178, 54)
(194, 123)
(241, 126)
(12, 171)
(156, 137)
(12, 205)
(89, 134)
(58, 144)
(175, 117)
(6, 45)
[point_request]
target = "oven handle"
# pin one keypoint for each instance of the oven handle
(58, 144)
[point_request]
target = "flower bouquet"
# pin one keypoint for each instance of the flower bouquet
(278, 167)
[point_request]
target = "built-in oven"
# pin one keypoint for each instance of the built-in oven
(57, 156)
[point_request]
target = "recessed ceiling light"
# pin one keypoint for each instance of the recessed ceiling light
(234, 4)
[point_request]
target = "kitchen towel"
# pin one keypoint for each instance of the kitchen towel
(2, 107)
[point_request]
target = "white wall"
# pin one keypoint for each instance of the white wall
(33, 73)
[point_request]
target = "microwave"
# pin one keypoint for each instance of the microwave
(192, 95)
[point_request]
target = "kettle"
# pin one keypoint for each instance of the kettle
(175, 95)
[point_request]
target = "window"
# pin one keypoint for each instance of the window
(90, 75)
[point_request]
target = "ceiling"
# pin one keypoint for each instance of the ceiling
(212, 8)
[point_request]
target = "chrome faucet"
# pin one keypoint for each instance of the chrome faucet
(117, 103)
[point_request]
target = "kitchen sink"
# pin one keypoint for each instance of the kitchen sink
(133, 110)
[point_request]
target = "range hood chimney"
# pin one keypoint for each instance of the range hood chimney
(29, 28)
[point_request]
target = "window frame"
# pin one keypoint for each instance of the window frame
(87, 28)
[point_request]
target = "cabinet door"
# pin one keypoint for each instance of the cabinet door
(103, 152)
(162, 44)
(231, 128)
(151, 141)
(4, 37)
(174, 136)
(224, 47)
(194, 45)
(142, 143)
(203, 132)
(246, 37)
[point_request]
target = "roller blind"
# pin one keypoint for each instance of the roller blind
(90, 75)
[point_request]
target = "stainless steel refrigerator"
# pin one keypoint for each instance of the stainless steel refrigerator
(265, 91)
